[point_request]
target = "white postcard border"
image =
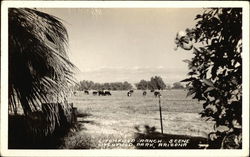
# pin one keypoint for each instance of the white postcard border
(121, 4)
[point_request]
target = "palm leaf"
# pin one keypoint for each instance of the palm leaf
(38, 61)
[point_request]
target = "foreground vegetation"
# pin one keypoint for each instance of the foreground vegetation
(40, 74)
(215, 71)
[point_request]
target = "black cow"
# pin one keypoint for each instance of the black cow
(129, 94)
(131, 91)
(157, 94)
(101, 93)
(107, 93)
(95, 92)
(152, 90)
(144, 93)
(86, 92)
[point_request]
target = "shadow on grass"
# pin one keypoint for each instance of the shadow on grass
(21, 137)
(79, 139)
(148, 138)
(82, 118)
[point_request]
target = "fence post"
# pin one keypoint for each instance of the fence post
(74, 115)
(160, 113)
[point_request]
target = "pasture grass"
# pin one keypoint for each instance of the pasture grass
(110, 122)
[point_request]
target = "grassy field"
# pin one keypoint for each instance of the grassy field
(117, 121)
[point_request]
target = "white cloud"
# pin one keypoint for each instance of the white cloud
(131, 74)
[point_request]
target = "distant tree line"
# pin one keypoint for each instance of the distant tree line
(156, 83)
(90, 85)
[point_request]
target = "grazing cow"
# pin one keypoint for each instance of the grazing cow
(107, 93)
(157, 94)
(129, 94)
(131, 91)
(101, 93)
(152, 90)
(144, 93)
(86, 92)
(95, 92)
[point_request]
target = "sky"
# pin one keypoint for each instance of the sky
(126, 44)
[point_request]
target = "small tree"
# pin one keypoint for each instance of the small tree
(168, 86)
(142, 85)
(177, 85)
(216, 69)
(126, 86)
(154, 83)
(157, 83)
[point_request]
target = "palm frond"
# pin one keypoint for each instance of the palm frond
(38, 61)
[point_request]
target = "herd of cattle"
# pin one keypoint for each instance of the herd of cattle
(129, 93)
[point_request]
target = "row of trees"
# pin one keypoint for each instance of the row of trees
(90, 85)
(156, 83)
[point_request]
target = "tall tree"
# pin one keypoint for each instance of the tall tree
(216, 69)
(39, 67)
(157, 83)
(85, 85)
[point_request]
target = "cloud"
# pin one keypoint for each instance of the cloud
(131, 74)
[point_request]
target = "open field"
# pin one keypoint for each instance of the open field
(108, 120)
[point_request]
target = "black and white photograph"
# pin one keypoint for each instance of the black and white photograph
(125, 76)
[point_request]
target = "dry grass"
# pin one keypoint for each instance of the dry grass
(112, 118)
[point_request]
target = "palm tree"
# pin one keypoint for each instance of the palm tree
(39, 67)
